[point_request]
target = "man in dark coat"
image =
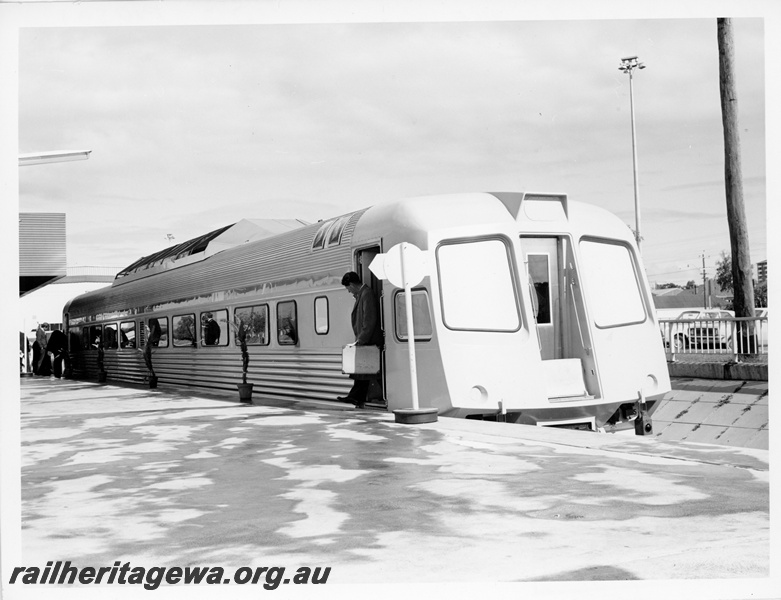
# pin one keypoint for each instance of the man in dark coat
(211, 335)
(365, 319)
(58, 347)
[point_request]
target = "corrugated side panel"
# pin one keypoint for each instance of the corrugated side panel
(286, 260)
(303, 374)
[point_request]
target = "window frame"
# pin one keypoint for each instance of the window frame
(194, 342)
(512, 271)
(295, 323)
(165, 333)
(330, 233)
(536, 297)
(112, 325)
(135, 336)
(92, 329)
(592, 285)
(201, 322)
(327, 315)
(266, 330)
(396, 321)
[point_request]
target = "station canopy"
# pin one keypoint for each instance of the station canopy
(203, 246)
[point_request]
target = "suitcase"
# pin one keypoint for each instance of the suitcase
(361, 360)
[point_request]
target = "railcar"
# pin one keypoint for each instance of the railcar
(534, 309)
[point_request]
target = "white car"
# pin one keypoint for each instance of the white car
(710, 329)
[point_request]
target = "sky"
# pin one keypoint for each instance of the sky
(199, 114)
(193, 127)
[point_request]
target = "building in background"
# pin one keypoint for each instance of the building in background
(762, 271)
(42, 256)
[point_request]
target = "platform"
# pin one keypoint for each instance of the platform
(175, 477)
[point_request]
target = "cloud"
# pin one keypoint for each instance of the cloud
(189, 125)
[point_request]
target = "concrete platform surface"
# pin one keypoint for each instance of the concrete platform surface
(731, 413)
(175, 478)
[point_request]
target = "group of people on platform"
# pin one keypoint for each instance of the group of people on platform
(49, 353)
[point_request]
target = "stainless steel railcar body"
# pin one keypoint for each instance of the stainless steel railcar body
(534, 307)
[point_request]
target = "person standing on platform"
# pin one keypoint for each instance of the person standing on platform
(365, 319)
(152, 341)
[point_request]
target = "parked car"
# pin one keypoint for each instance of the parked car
(710, 329)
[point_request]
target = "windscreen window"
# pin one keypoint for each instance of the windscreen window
(477, 286)
(612, 283)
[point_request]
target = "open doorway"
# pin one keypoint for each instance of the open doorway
(364, 258)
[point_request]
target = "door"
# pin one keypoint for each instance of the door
(541, 257)
(364, 258)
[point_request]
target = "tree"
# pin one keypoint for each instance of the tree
(690, 285)
(724, 271)
(760, 294)
(724, 279)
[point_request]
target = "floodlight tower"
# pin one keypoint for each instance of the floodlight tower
(628, 65)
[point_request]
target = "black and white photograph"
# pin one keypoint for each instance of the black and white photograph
(366, 298)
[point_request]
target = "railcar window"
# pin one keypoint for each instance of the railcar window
(75, 340)
(319, 241)
(110, 339)
(95, 335)
(477, 287)
(127, 334)
(214, 328)
(254, 319)
(612, 284)
(287, 323)
(162, 323)
(335, 233)
(421, 315)
(85, 339)
(183, 330)
(330, 233)
(539, 273)
(321, 315)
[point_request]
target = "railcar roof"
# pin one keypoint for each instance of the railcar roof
(212, 242)
(187, 248)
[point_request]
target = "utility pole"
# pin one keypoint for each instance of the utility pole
(704, 284)
(742, 285)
